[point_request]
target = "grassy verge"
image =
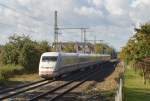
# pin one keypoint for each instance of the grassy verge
(7, 71)
(23, 78)
(15, 74)
(134, 88)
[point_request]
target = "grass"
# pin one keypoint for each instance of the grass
(134, 88)
(14, 74)
(23, 78)
(26, 77)
(7, 71)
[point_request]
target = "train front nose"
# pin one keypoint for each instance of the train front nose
(47, 66)
(47, 72)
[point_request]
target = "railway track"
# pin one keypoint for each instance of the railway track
(71, 88)
(72, 83)
(20, 86)
(10, 92)
(21, 89)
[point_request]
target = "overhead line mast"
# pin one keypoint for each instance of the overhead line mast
(83, 35)
(56, 34)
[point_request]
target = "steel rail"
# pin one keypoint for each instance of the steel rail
(20, 86)
(59, 87)
(73, 87)
(27, 89)
(24, 90)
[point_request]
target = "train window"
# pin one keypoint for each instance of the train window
(49, 58)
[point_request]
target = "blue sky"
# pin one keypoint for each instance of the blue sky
(109, 20)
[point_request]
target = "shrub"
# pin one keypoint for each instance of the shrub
(29, 57)
(9, 54)
(7, 71)
(23, 51)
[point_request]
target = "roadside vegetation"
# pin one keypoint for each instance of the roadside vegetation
(134, 89)
(20, 55)
(136, 56)
(7, 71)
(137, 51)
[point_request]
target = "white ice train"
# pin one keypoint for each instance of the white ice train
(53, 64)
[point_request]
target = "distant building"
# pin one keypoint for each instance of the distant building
(78, 47)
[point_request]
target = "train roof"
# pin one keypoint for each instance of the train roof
(71, 54)
(58, 53)
(50, 54)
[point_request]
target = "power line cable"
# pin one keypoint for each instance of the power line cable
(14, 10)
(29, 16)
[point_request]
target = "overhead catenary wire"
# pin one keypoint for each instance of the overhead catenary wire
(1, 23)
(26, 26)
(35, 18)
(24, 14)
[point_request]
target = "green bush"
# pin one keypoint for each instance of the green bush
(10, 54)
(7, 71)
(29, 57)
(23, 51)
(138, 46)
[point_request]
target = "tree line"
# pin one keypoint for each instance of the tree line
(137, 50)
(22, 50)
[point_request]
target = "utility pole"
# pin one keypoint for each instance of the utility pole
(56, 33)
(94, 44)
(84, 43)
(82, 31)
(83, 35)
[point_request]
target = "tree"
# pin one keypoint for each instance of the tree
(29, 56)
(138, 46)
(69, 48)
(99, 48)
(9, 54)
(138, 49)
(22, 50)
(102, 48)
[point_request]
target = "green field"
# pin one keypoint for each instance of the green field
(134, 88)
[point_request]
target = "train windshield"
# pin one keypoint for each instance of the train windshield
(49, 58)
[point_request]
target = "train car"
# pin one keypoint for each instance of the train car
(53, 64)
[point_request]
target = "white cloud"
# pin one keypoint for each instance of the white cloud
(117, 7)
(23, 2)
(139, 11)
(88, 11)
(97, 3)
(114, 19)
(136, 3)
